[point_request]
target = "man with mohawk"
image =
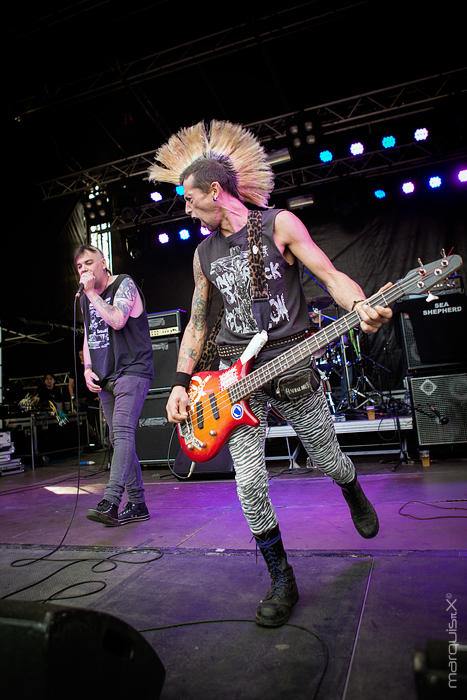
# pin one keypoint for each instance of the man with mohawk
(222, 168)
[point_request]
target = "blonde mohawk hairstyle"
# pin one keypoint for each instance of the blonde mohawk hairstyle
(255, 179)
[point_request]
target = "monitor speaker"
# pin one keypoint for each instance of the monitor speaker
(440, 408)
(221, 463)
(165, 353)
(46, 647)
(156, 441)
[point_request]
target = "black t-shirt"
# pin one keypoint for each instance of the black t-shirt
(114, 353)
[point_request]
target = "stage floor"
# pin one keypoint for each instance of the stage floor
(366, 606)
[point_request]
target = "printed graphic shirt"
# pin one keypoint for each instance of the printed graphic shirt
(224, 262)
(113, 353)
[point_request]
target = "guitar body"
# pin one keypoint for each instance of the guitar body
(211, 414)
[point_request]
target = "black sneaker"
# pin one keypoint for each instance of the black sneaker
(105, 512)
(133, 513)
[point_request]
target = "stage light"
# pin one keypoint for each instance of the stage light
(97, 206)
(325, 156)
(301, 134)
(204, 231)
(379, 194)
(163, 238)
(462, 175)
(184, 234)
(408, 188)
(304, 200)
(277, 157)
(388, 142)
(179, 190)
(156, 196)
(357, 148)
(421, 134)
(435, 181)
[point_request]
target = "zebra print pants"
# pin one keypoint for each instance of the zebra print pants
(311, 419)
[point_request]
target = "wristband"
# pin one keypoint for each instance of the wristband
(89, 369)
(181, 379)
(357, 301)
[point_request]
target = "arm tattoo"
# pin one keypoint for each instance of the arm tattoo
(196, 330)
(116, 315)
(125, 297)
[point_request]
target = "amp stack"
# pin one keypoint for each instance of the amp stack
(435, 359)
(155, 438)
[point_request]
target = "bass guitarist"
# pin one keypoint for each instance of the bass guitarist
(222, 167)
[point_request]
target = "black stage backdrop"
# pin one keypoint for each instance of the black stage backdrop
(373, 245)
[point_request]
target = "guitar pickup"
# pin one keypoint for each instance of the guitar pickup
(214, 407)
(199, 415)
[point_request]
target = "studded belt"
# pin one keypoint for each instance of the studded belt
(236, 350)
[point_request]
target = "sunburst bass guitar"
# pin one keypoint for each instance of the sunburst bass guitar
(218, 400)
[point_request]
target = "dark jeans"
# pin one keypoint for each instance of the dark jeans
(122, 409)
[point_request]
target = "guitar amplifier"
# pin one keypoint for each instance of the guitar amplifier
(163, 324)
(433, 332)
(165, 355)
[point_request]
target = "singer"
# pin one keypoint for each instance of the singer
(118, 365)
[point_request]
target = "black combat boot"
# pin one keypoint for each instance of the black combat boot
(363, 514)
(277, 604)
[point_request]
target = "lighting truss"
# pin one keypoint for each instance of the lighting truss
(203, 49)
(398, 159)
(371, 108)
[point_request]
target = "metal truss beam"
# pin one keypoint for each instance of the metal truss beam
(203, 49)
(298, 179)
(371, 108)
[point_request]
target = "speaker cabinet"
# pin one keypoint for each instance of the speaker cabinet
(156, 440)
(432, 333)
(165, 353)
(440, 408)
(50, 651)
(220, 464)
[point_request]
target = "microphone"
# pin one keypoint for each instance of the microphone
(442, 420)
(80, 290)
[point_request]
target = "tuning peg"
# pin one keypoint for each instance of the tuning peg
(419, 262)
(443, 253)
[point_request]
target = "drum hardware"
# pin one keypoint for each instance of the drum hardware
(364, 391)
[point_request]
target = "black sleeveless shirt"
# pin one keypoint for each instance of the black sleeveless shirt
(224, 262)
(114, 353)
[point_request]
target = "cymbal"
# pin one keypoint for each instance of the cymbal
(318, 303)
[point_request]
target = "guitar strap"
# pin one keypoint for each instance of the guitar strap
(259, 290)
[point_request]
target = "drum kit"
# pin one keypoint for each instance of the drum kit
(341, 363)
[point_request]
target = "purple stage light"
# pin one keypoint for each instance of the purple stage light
(408, 187)
(357, 148)
(421, 134)
(163, 238)
(462, 175)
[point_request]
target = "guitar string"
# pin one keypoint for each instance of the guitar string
(262, 373)
(268, 371)
(297, 353)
